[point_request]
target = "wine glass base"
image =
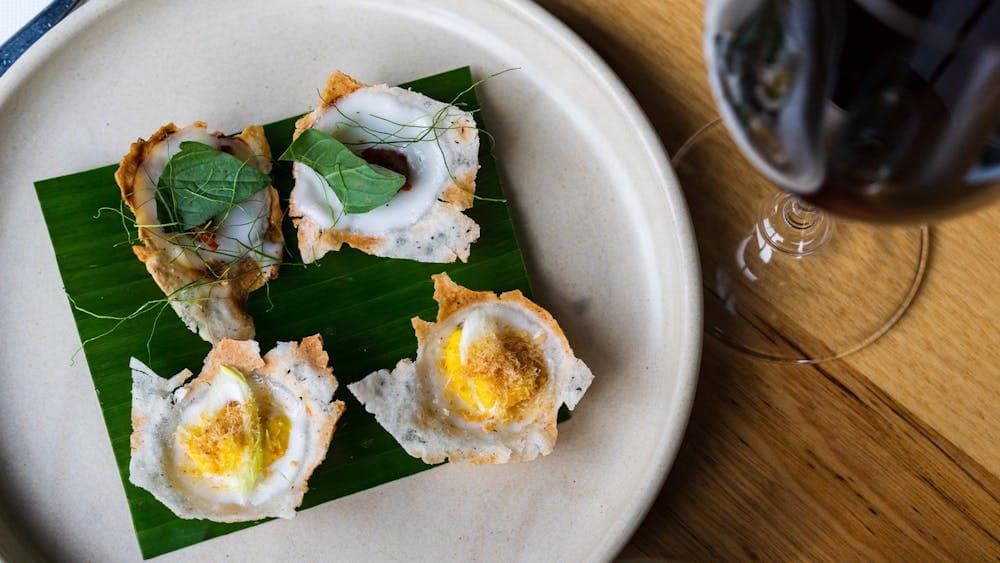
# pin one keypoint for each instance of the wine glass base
(783, 290)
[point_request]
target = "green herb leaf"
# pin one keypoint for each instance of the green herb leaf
(200, 182)
(359, 186)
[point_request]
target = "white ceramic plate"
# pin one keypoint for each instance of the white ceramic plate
(603, 224)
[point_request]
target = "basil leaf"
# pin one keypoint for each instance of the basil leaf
(359, 186)
(200, 182)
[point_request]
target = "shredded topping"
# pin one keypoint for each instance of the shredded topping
(501, 372)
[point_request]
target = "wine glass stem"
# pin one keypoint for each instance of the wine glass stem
(801, 215)
(793, 226)
(786, 223)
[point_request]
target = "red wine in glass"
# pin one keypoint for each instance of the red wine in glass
(874, 109)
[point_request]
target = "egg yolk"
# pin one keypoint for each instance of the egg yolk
(501, 372)
(238, 439)
(220, 445)
(276, 438)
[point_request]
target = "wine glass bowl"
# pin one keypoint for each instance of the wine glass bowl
(872, 109)
(866, 108)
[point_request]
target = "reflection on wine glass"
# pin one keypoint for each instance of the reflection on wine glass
(872, 109)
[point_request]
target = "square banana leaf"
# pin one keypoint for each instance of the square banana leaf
(360, 304)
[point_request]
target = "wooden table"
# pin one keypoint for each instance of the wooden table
(891, 453)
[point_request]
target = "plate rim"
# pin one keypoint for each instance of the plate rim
(690, 350)
(690, 347)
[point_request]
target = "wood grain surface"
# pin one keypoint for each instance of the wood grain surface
(892, 453)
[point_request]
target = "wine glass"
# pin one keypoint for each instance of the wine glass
(881, 112)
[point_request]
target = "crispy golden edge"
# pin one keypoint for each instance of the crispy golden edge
(244, 276)
(547, 320)
(247, 272)
(452, 297)
(242, 355)
(140, 419)
(326, 436)
(322, 241)
(247, 276)
(421, 328)
(130, 163)
(310, 351)
(167, 280)
(274, 233)
(337, 86)
(254, 138)
(550, 323)
(460, 193)
(316, 242)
